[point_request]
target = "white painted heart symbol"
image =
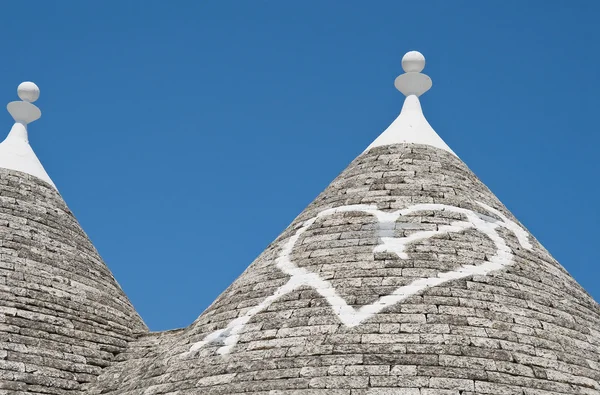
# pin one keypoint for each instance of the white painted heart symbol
(228, 337)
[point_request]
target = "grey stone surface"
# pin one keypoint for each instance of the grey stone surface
(63, 317)
(527, 329)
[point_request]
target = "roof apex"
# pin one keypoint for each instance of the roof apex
(411, 125)
(15, 151)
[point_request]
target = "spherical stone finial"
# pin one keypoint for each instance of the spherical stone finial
(413, 62)
(28, 91)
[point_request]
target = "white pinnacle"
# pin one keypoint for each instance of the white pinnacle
(411, 127)
(15, 151)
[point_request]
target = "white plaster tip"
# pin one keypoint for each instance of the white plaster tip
(15, 151)
(411, 127)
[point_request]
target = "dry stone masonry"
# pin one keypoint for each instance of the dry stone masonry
(525, 329)
(63, 317)
(406, 276)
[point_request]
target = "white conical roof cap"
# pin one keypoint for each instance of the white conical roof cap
(411, 127)
(15, 151)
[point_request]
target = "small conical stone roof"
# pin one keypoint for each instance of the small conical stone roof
(63, 317)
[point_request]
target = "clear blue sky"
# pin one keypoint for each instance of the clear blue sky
(186, 135)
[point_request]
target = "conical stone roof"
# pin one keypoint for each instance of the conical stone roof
(406, 276)
(63, 317)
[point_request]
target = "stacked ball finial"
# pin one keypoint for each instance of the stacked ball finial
(413, 82)
(24, 111)
(28, 91)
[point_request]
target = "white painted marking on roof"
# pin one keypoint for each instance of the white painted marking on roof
(228, 337)
(15, 151)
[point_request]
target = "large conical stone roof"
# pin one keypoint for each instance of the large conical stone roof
(406, 276)
(63, 317)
